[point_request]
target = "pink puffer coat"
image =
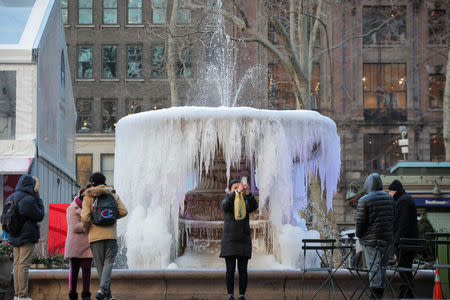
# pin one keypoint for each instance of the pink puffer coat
(77, 242)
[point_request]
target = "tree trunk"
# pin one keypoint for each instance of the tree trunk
(446, 110)
(172, 57)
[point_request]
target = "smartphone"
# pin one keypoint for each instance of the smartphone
(244, 180)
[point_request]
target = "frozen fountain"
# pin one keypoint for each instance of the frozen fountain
(172, 146)
(174, 175)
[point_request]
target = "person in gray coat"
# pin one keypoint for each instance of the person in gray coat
(374, 216)
(236, 241)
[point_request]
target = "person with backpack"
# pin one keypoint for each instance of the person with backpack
(100, 210)
(21, 216)
(77, 249)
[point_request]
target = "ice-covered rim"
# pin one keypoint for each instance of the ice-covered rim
(223, 112)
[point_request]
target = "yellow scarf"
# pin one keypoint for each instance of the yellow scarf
(239, 207)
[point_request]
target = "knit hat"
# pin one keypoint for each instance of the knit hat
(97, 178)
(233, 182)
(396, 185)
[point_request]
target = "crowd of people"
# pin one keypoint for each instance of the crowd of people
(91, 234)
(382, 220)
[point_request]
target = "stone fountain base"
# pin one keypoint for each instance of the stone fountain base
(207, 284)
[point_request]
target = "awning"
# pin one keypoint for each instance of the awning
(436, 202)
(15, 165)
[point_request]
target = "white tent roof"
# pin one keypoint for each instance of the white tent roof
(21, 23)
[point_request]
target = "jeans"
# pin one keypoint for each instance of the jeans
(377, 260)
(75, 264)
(243, 276)
(104, 253)
(22, 259)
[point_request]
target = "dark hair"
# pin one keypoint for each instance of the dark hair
(233, 182)
(97, 178)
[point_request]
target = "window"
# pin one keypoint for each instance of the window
(84, 62)
(7, 105)
(109, 54)
(280, 88)
(134, 106)
(134, 65)
(437, 148)
(109, 11)
(273, 34)
(184, 65)
(436, 86)
(84, 168)
(158, 62)
(84, 11)
(134, 11)
(384, 90)
(183, 14)
(384, 25)
(109, 113)
(107, 167)
(64, 11)
(437, 26)
(381, 151)
(84, 115)
(159, 11)
(315, 87)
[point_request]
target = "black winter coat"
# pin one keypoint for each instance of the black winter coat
(236, 239)
(405, 218)
(31, 209)
(375, 213)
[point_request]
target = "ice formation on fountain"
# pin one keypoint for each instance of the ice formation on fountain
(157, 151)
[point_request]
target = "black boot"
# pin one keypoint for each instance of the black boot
(73, 295)
(85, 296)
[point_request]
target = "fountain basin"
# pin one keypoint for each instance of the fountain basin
(209, 284)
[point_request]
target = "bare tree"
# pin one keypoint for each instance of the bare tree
(297, 31)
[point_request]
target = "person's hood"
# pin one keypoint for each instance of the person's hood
(98, 190)
(373, 183)
(26, 184)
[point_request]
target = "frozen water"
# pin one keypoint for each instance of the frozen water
(226, 76)
(158, 151)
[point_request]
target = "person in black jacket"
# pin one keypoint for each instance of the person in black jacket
(373, 219)
(236, 241)
(31, 210)
(405, 226)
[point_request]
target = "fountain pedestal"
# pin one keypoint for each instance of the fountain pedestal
(201, 223)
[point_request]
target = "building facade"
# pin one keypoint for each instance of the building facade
(387, 69)
(116, 52)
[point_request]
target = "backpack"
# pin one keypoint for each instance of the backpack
(12, 222)
(104, 210)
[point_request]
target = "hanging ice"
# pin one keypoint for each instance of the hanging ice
(157, 151)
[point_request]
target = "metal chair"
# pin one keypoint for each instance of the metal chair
(324, 249)
(408, 245)
(363, 274)
(441, 239)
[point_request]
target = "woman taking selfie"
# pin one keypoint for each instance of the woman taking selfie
(236, 241)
